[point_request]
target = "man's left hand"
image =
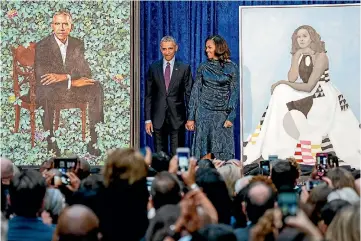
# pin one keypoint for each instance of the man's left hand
(48, 79)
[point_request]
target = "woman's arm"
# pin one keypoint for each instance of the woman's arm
(234, 95)
(293, 72)
(321, 64)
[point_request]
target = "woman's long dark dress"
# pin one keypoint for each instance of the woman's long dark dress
(214, 99)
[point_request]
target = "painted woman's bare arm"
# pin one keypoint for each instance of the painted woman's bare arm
(293, 72)
(320, 65)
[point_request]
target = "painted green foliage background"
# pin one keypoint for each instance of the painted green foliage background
(104, 26)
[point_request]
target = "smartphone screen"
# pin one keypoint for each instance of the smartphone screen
(265, 167)
(149, 183)
(272, 158)
(311, 184)
(65, 165)
(287, 202)
(321, 165)
(183, 158)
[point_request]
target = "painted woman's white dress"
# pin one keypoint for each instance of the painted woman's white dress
(300, 124)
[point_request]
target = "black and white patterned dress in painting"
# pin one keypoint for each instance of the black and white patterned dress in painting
(300, 124)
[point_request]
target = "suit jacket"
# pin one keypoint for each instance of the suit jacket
(48, 60)
(158, 101)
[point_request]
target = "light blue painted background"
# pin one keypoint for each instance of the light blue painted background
(265, 44)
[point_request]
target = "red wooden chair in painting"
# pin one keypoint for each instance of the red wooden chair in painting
(23, 73)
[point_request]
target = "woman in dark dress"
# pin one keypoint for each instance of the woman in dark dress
(214, 101)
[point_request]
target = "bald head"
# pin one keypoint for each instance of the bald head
(7, 170)
(77, 222)
(259, 193)
(259, 199)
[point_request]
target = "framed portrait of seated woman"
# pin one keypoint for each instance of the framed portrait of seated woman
(300, 72)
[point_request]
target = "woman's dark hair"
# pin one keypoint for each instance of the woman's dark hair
(222, 51)
(216, 190)
(205, 163)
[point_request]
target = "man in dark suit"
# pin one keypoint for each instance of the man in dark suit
(168, 88)
(63, 76)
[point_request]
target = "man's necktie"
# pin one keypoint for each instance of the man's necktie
(167, 76)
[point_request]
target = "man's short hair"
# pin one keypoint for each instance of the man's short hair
(27, 192)
(165, 190)
(284, 173)
(256, 208)
(63, 12)
(168, 39)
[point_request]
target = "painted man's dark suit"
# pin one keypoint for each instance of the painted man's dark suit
(48, 59)
(167, 109)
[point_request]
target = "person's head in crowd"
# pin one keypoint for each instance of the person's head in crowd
(346, 193)
(88, 190)
(124, 165)
(260, 197)
(345, 225)
(77, 223)
(165, 189)
(54, 203)
(264, 228)
(230, 173)
(160, 161)
(158, 228)
(318, 198)
(122, 202)
(341, 178)
(205, 163)
(265, 180)
(7, 170)
(47, 165)
(329, 211)
(84, 169)
(238, 210)
(215, 232)
(27, 192)
(216, 190)
(285, 173)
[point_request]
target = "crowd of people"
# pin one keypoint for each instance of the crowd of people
(147, 198)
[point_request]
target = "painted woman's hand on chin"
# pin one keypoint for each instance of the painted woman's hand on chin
(306, 51)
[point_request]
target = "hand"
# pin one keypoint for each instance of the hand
(82, 82)
(304, 195)
(302, 222)
(277, 84)
(48, 79)
(48, 178)
(46, 218)
(149, 128)
(227, 124)
(306, 51)
(173, 165)
(148, 156)
(74, 182)
(190, 125)
(189, 177)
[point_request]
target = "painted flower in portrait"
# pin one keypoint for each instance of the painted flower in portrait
(11, 99)
(118, 78)
(12, 13)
